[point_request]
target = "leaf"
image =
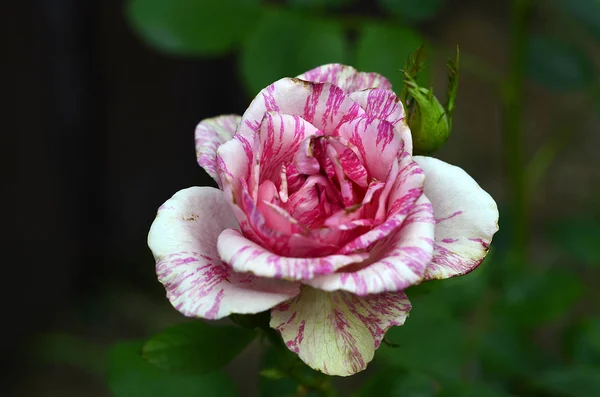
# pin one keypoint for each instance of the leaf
(541, 298)
(576, 381)
(557, 64)
(71, 350)
(384, 49)
(415, 10)
(392, 383)
(129, 375)
(193, 27)
(286, 44)
(472, 389)
(431, 341)
(196, 347)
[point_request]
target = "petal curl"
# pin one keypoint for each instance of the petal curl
(247, 256)
(396, 262)
(324, 105)
(376, 142)
(466, 218)
(209, 135)
(385, 105)
(336, 332)
(183, 240)
(345, 77)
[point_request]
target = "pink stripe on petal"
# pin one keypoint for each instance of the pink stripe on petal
(466, 215)
(209, 135)
(337, 333)
(377, 143)
(385, 105)
(183, 239)
(323, 105)
(396, 262)
(345, 77)
(246, 256)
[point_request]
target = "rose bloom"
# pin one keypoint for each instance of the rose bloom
(322, 216)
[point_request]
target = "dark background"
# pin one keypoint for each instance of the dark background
(100, 133)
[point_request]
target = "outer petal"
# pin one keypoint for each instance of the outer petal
(183, 239)
(396, 262)
(345, 77)
(337, 333)
(385, 105)
(210, 134)
(324, 105)
(466, 217)
(246, 256)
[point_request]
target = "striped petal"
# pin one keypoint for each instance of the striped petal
(385, 105)
(345, 77)
(247, 256)
(183, 239)
(336, 332)
(210, 134)
(376, 142)
(396, 262)
(324, 105)
(466, 218)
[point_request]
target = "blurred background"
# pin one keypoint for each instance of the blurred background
(103, 100)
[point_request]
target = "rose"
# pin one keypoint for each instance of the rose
(322, 216)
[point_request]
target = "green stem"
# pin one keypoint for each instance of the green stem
(513, 107)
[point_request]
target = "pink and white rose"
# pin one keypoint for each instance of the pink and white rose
(322, 216)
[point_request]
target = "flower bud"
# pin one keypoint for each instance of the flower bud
(427, 120)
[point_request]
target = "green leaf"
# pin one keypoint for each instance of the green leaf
(431, 341)
(472, 389)
(415, 10)
(129, 375)
(193, 27)
(71, 350)
(541, 298)
(385, 48)
(579, 239)
(557, 64)
(196, 347)
(286, 44)
(392, 383)
(570, 381)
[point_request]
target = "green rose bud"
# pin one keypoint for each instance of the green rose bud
(429, 121)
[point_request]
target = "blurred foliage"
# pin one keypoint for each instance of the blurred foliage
(129, 375)
(196, 347)
(506, 329)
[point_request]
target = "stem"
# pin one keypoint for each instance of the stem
(520, 10)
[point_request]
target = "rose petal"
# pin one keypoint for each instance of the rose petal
(396, 263)
(324, 105)
(376, 142)
(210, 134)
(407, 187)
(183, 239)
(246, 256)
(279, 139)
(385, 105)
(336, 332)
(466, 217)
(345, 77)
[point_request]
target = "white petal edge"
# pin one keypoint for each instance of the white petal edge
(209, 135)
(183, 240)
(466, 218)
